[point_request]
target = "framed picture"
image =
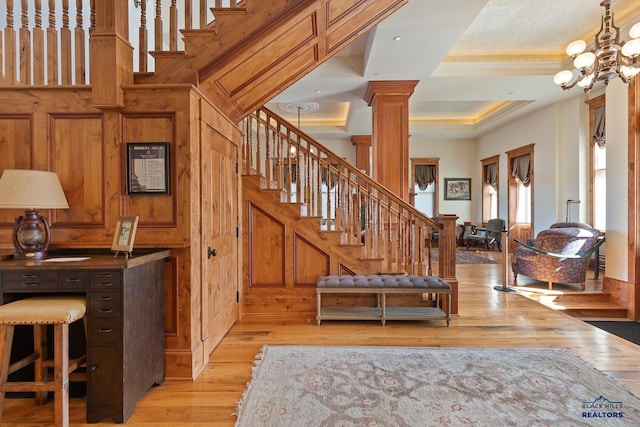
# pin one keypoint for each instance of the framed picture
(457, 188)
(124, 234)
(147, 168)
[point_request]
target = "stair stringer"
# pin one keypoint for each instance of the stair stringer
(284, 253)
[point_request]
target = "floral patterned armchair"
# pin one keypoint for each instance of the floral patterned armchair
(544, 260)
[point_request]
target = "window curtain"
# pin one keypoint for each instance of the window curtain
(425, 175)
(294, 175)
(521, 170)
(598, 135)
(329, 179)
(491, 173)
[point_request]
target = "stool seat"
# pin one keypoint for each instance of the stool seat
(43, 310)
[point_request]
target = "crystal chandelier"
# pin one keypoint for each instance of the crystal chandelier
(609, 58)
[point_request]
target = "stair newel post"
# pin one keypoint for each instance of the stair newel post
(447, 256)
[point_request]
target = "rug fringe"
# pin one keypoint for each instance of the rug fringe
(254, 370)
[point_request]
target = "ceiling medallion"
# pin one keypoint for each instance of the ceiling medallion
(299, 107)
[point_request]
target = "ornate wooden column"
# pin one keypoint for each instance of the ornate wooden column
(390, 136)
(111, 53)
(363, 152)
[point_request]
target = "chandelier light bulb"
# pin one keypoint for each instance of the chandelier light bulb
(629, 72)
(576, 47)
(585, 81)
(631, 49)
(563, 77)
(584, 60)
(634, 32)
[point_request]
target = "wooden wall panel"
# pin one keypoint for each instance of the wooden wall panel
(15, 146)
(267, 241)
(155, 209)
(78, 159)
(309, 262)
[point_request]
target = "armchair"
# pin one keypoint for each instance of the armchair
(488, 236)
(545, 261)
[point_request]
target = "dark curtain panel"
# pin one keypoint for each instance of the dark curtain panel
(599, 136)
(491, 172)
(327, 178)
(521, 169)
(425, 175)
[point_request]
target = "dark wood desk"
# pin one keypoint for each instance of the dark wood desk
(125, 319)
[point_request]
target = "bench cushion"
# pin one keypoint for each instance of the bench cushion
(377, 281)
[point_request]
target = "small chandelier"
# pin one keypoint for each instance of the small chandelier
(609, 58)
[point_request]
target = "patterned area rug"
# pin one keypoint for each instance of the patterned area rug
(464, 257)
(411, 386)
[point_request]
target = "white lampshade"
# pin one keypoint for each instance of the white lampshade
(563, 77)
(576, 47)
(631, 49)
(584, 60)
(31, 189)
(629, 72)
(585, 81)
(634, 32)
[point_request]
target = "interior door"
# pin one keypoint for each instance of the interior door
(219, 219)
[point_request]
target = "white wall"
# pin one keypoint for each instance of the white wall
(457, 160)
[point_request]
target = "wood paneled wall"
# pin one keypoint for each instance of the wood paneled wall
(59, 130)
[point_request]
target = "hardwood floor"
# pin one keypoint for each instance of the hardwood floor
(488, 318)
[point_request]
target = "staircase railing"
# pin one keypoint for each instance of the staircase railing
(54, 52)
(343, 198)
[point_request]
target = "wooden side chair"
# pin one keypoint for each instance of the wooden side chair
(39, 312)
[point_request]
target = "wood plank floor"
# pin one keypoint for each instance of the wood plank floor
(488, 318)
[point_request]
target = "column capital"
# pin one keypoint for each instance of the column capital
(361, 139)
(389, 87)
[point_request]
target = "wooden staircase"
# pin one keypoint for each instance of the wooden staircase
(280, 41)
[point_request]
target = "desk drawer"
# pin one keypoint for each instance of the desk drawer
(30, 280)
(104, 304)
(105, 280)
(73, 280)
(105, 331)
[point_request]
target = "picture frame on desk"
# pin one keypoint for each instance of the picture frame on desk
(124, 235)
(457, 188)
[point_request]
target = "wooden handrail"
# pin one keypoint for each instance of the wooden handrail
(342, 197)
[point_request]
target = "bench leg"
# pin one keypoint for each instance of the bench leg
(319, 304)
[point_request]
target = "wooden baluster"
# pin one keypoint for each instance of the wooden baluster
(10, 46)
(158, 30)
(258, 158)
(52, 46)
(92, 18)
(143, 34)
(38, 45)
(267, 155)
(173, 27)
(188, 15)
(25, 45)
(65, 45)
(80, 44)
(204, 13)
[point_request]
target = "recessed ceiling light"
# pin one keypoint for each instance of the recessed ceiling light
(396, 39)
(318, 91)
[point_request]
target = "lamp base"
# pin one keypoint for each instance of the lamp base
(31, 236)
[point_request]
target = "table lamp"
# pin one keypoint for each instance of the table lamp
(31, 190)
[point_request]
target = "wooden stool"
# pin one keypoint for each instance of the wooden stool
(40, 312)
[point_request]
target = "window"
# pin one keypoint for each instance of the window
(424, 193)
(520, 202)
(598, 163)
(490, 188)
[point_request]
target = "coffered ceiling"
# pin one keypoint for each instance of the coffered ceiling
(480, 64)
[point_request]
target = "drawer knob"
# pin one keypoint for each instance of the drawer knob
(93, 368)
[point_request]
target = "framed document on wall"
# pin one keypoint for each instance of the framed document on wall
(148, 168)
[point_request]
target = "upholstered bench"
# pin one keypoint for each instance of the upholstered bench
(382, 285)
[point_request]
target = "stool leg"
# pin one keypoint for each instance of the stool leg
(61, 374)
(6, 340)
(40, 370)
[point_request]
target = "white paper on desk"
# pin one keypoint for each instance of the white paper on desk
(65, 259)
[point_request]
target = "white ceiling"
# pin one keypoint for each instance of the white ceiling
(480, 64)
